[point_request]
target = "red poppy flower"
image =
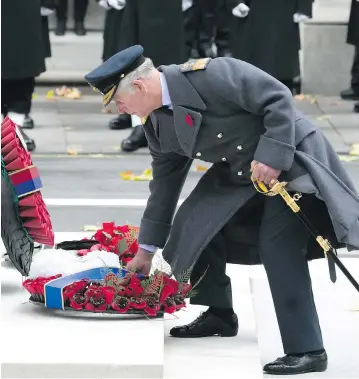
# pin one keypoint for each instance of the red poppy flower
(137, 303)
(78, 301)
(129, 291)
(120, 304)
(108, 227)
(68, 293)
(169, 305)
(165, 292)
(135, 281)
(101, 308)
(108, 293)
(151, 311)
(97, 294)
(133, 249)
(89, 307)
(138, 290)
(121, 291)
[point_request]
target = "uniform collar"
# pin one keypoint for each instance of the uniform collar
(166, 99)
(181, 91)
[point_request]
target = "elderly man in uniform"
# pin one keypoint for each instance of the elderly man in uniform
(242, 120)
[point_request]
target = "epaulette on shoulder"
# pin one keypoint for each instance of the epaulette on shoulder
(195, 65)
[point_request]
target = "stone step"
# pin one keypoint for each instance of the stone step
(326, 57)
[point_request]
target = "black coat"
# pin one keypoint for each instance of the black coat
(111, 33)
(268, 38)
(158, 26)
(353, 26)
(46, 36)
(22, 46)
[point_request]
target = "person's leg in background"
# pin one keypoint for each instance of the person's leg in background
(207, 26)
(222, 35)
(191, 18)
(61, 16)
(80, 9)
(352, 93)
(16, 103)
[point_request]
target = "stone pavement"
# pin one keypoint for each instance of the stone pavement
(80, 163)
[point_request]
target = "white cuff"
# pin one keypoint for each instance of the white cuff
(241, 10)
(46, 11)
(186, 4)
(299, 17)
(150, 248)
(117, 4)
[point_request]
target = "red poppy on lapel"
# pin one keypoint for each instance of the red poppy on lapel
(189, 120)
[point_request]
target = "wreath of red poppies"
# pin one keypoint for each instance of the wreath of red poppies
(130, 294)
(18, 163)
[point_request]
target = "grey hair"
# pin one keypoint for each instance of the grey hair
(142, 72)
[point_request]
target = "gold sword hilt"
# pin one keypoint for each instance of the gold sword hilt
(277, 188)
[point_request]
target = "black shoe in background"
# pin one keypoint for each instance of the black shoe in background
(30, 143)
(60, 28)
(356, 107)
(349, 94)
(135, 141)
(122, 121)
(79, 28)
(28, 123)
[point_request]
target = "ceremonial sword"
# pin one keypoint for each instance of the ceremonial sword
(278, 188)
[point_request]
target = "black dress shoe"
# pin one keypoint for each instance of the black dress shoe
(207, 325)
(28, 123)
(349, 94)
(60, 28)
(136, 140)
(122, 121)
(79, 28)
(30, 143)
(356, 107)
(292, 364)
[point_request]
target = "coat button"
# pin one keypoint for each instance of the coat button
(224, 159)
(239, 147)
(198, 154)
(240, 173)
(219, 135)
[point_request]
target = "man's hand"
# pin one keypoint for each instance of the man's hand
(264, 173)
(141, 263)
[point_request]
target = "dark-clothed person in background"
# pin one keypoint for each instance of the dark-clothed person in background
(115, 10)
(23, 58)
(266, 34)
(80, 9)
(158, 26)
(352, 93)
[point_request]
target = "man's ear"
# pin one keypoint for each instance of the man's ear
(139, 85)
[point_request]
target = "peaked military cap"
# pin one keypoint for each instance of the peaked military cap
(106, 77)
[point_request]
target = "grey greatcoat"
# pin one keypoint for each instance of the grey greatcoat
(268, 37)
(229, 114)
